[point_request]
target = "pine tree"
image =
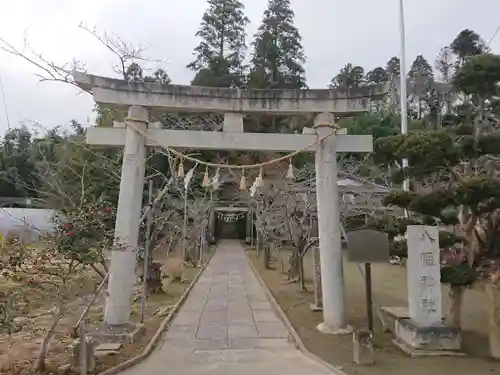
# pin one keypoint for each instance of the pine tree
(278, 54)
(220, 54)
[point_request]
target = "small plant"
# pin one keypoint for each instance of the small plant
(461, 275)
(83, 232)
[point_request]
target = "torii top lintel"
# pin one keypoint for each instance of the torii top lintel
(182, 98)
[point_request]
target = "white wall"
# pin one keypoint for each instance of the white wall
(26, 223)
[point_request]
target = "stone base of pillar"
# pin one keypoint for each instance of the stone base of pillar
(126, 333)
(419, 341)
(323, 328)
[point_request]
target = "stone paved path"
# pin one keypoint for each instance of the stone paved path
(227, 327)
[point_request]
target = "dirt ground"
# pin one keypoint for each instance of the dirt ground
(18, 351)
(389, 289)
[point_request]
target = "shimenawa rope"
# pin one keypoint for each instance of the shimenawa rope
(130, 122)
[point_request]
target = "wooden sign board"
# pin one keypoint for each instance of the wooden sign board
(367, 246)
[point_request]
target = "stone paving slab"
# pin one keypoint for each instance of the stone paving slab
(178, 331)
(212, 331)
(242, 331)
(272, 330)
(188, 318)
(230, 355)
(265, 316)
(199, 344)
(257, 343)
(213, 317)
(261, 306)
(226, 327)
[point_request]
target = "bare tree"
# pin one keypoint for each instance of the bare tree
(300, 220)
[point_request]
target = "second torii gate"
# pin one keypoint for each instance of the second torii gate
(140, 98)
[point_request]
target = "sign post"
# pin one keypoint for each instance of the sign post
(368, 246)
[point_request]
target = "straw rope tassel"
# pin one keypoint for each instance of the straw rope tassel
(180, 171)
(243, 181)
(289, 174)
(260, 178)
(206, 179)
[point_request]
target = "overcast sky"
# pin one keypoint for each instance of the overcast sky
(334, 32)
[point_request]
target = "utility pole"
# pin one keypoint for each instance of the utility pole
(402, 89)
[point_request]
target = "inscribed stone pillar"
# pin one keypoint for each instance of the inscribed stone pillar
(123, 257)
(318, 299)
(332, 276)
(423, 273)
(424, 331)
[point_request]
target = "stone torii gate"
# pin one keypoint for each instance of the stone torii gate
(139, 98)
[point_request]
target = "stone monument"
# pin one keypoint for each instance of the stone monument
(423, 332)
(362, 347)
(83, 354)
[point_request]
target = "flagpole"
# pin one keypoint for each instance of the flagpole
(402, 76)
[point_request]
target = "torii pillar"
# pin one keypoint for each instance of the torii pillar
(330, 244)
(128, 216)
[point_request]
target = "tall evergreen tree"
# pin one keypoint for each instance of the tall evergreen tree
(134, 72)
(220, 54)
(393, 67)
(349, 76)
(420, 67)
(422, 89)
(376, 75)
(467, 44)
(445, 63)
(278, 55)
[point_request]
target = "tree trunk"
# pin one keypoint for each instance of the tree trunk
(44, 346)
(301, 274)
(493, 293)
(282, 264)
(456, 296)
(154, 280)
(294, 270)
(267, 256)
(98, 271)
(258, 243)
